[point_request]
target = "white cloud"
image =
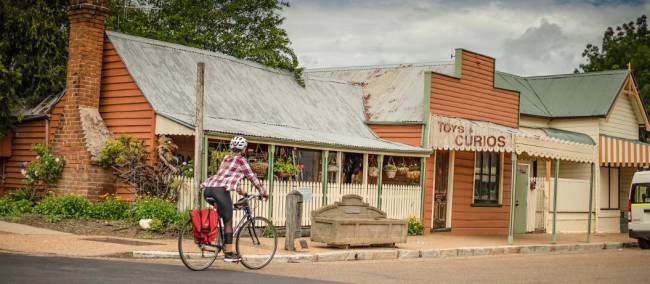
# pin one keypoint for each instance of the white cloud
(525, 37)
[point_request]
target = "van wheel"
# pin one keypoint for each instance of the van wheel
(644, 244)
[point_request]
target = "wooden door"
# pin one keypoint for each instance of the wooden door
(440, 190)
(521, 202)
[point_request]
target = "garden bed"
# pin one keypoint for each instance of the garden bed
(93, 227)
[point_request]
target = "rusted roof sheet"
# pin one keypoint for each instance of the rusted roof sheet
(247, 98)
(395, 93)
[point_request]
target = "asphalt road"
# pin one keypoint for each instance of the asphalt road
(38, 269)
(611, 266)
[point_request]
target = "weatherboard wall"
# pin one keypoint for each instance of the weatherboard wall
(410, 134)
(27, 134)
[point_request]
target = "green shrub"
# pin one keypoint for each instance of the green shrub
(10, 207)
(156, 208)
(19, 194)
(415, 227)
(121, 152)
(155, 225)
(109, 209)
(64, 207)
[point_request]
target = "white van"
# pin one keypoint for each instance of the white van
(638, 209)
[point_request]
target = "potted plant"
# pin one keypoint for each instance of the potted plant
(260, 167)
(285, 169)
(390, 170)
(333, 168)
(413, 172)
(373, 171)
(402, 169)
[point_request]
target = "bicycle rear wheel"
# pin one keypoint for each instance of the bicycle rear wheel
(256, 243)
(196, 257)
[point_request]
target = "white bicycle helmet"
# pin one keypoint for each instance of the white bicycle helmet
(238, 142)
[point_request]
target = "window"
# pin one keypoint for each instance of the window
(609, 188)
(640, 193)
(486, 178)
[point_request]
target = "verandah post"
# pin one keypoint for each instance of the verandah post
(513, 183)
(198, 134)
(324, 161)
(269, 177)
(556, 173)
(591, 196)
(380, 165)
(423, 171)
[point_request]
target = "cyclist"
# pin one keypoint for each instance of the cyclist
(217, 189)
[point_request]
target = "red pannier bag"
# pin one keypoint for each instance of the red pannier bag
(204, 223)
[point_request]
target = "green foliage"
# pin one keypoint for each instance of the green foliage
(245, 29)
(110, 208)
(155, 208)
(268, 232)
(216, 157)
(122, 151)
(390, 167)
(63, 207)
(33, 55)
(46, 168)
(19, 194)
(629, 43)
(10, 207)
(285, 168)
(415, 227)
(187, 169)
(156, 225)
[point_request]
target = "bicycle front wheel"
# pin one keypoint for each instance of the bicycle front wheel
(196, 256)
(256, 243)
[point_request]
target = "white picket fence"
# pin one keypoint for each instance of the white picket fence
(398, 201)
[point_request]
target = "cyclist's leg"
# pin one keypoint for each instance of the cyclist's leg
(225, 210)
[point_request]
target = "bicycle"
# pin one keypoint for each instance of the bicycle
(255, 239)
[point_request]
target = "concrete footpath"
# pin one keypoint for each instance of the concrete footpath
(31, 240)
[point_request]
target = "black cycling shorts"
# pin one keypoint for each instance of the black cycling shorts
(222, 198)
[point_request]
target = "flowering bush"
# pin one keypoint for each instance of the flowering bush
(187, 169)
(46, 168)
(122, 152)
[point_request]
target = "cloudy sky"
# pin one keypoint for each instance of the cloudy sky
(526, 37)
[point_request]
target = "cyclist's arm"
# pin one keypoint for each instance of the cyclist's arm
(250, 175)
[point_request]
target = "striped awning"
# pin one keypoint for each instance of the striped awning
(617, 152)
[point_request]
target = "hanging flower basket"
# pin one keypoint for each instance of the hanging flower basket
(260, 168)
(402, 169)
(333, 168)
(373, 171)
(390, 170)
(413, 175)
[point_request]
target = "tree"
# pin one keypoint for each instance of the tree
(629, 43)
(33, 39)
(246, 29)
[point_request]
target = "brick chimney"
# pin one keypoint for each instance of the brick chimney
(81, 130)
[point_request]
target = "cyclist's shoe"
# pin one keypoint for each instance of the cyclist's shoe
(231, 257)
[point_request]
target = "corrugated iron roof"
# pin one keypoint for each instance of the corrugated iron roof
(247, 98)
(569, 95)
(569, 136)
(43, 108)
(395, 93)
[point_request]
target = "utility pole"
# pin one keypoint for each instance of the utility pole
(198, 133)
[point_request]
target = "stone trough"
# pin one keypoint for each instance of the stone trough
(352, 222)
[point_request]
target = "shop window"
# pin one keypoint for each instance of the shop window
(487, 178)
(352, 168)
(609, 188)
(297, 164)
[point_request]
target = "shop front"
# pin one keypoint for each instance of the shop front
(472, 175)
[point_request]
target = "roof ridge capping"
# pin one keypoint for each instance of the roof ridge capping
(216, 54)
(568, 75)
(381, 66)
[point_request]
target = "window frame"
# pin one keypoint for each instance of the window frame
(498, 202)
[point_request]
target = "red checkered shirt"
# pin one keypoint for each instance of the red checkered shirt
(232, 170)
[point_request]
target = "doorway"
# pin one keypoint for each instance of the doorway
(521, 206)
(440, 191)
